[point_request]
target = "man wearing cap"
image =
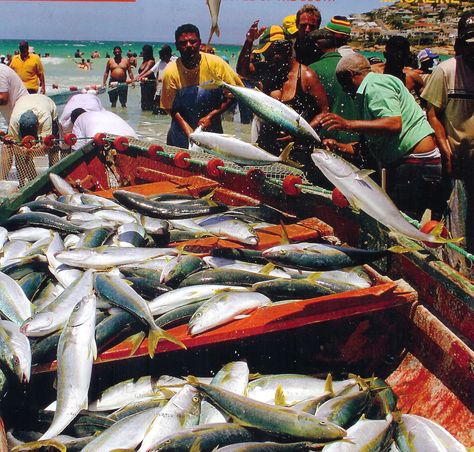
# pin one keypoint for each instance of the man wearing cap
(182, 96)
(427, 61)
(287, 80)
(30, 69)
(450, 96)
(308, 18)
(396, 132)
(327, 57)
(34, 115)
(289, 24)
(340, 27)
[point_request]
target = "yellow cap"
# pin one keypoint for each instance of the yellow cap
(270, 35)
(289, 23)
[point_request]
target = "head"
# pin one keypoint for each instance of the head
(129, 53)
(351, 71)
(188, 42)
(465, 39)
(165, 53)
(317, 43)
(397, 52)
(117, 51)
(76, 113)
(289, 24)
(340, 27)
(275, 45)
(308, 18)
(28, 124)
(427, 60)
(24, 47)
(147, 52)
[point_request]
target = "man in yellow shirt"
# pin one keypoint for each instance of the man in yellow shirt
(182, 97)
(30, 69)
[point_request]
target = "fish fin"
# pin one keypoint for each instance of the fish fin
(37, 445)
(135, 342)
(267, 269)
(280, 396)
(328, 385)
(94, 349)
(128, 282)
(364, 174)
(241, 316)
(285, 240)
(193, 381)
(426, 217)
(286, 152)
(314, 277)
(209, 199)
(404, 249)
(155, 335)
(196, 446)
(255, 376)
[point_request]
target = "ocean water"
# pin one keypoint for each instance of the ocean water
(61, 70)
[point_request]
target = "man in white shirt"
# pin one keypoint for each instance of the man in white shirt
(88, 123)
(11, 89)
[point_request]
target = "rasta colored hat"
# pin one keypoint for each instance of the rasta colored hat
(27, 124)
(426, 54)
(269, 36)
(339, 25)
(289, 24)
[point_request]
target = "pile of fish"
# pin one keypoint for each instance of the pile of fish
(80, 273)
(237, 411)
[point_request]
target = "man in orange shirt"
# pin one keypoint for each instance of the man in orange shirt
(30, 69)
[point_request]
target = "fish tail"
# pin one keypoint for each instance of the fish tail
(208, 198)
(155, 335)
(37, 445)
(214, 30)
(285, 156)
(135, 342)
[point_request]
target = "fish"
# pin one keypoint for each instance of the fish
(180, 412)
(178, 268)
(234, 377)
(137, 407)
(271, 110)
(320, 256)
(57, 208)
(292, 289)
(269, 446)
(29, 234)
(271, 419)
(225, 276)
(76, 353)
(148, 288)
(222, 263)
(14, 305)
(230, 228)
(240, 254)
(61, 186)
(56, 314)
(119, 293)
(93, 238)
(15, 350)
(364, 194)
(42, 220)
(130, 235)
(214, 7)
(31, 283)
(236, 150)
(106, 257)
(224, 308)
(4, 237)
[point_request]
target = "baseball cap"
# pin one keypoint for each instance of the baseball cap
(466, 26)
(289, 24)
(339, 24)
(270, 35)
(426, 54)
(28, 124)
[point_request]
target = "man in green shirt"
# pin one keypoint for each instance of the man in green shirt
(397, 133)
(324, 44)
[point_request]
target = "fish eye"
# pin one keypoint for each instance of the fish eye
(322, 422)
(195, 399)
(198, 314)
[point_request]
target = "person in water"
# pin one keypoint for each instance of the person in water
(118, 67)
(183, 95)
(30, 69)
(148, 83)
(283, 78)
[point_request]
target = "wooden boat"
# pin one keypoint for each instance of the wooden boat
(415, 329)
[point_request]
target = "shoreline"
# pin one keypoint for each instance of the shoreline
(445, 51)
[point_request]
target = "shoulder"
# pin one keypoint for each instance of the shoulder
(171, 68)
(213, 60)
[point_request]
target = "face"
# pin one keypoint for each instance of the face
(398, 56)
(468, 53)
(346, 79)
(308, 23)
(117, 51)
(278, 53)
(188, 45)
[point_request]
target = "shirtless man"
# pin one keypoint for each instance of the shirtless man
(118, 67)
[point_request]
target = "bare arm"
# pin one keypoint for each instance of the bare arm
(129, 68)
(244, 67)
(146, 72)
(4, 98)
(205, 122)
(434, 118)
(42, 83)
(185, 127)
(379, 126)
(314, 88)
(106, 73)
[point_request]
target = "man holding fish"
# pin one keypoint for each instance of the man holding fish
(183, 95)
(397, 133)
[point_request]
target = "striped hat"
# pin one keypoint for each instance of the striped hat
(340, 25)
(270, 35)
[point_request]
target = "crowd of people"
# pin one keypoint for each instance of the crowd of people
(413, 122)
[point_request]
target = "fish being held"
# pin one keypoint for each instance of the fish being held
(364, 194)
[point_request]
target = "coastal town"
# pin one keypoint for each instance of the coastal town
(424, 24)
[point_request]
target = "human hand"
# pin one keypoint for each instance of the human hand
(253, 32)
(331, 121)
(205, 122)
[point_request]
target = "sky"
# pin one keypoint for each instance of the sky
(152, 20)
